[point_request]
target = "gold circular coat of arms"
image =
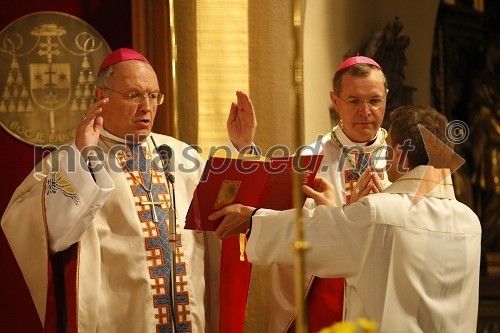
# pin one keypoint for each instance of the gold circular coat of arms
(48, 66)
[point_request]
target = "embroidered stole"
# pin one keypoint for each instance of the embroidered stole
(152, 202)
(326, 296)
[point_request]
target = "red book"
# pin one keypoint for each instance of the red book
(252, 181)
(248, 180)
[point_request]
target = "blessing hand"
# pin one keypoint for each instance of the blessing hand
(241, 122)
(87, 132)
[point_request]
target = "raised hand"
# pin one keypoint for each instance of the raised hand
(87, 132)
(241, 122)
(321, 191)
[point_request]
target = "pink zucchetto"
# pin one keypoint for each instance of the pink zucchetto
(357, 60)
(120, 55)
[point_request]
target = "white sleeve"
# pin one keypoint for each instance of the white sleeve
(72, 196)
(337, 238)
(234, 151)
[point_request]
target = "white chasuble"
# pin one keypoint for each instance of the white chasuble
(122, 262)
(343, 162)
(409, 265)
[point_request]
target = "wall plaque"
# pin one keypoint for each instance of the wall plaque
(48, 66)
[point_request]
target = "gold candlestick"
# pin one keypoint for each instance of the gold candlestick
(300, 246)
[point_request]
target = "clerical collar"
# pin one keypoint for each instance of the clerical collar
(338, 132)
(115, 138)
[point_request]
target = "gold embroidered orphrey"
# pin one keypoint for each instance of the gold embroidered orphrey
(48, 66)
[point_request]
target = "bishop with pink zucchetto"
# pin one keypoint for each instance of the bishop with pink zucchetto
(104, 203)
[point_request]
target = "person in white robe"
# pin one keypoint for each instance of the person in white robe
(410, 254)
(108, 195)
(359, 97)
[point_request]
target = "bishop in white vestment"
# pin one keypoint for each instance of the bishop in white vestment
(107, 195)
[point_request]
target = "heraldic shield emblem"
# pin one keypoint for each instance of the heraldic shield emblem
(48, 66)
(50, 85)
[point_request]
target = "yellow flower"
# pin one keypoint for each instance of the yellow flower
(367, 326)
(341, 327)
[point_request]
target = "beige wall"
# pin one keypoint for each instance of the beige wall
(186, 71)
(271, 54)
(331, 28)
(334, 28)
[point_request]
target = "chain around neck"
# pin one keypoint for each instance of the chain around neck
(345, 150)
(147, 154)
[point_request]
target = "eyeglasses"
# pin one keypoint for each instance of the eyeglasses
(136, 97)
(374, 103)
